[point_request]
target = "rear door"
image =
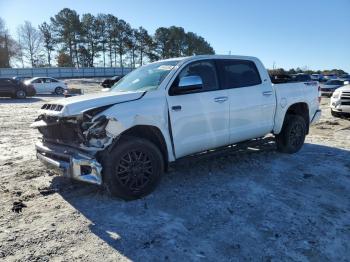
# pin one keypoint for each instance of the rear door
(252, 99)
(48, 85)
(38, 85)
(53, 84)
(199, 120)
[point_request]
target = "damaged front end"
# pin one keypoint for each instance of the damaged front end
(73, 144)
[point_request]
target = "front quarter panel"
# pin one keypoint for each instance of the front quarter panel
(151, 110)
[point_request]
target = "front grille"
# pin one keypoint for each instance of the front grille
(345, 99)
(345, 95)
(53, 107)
(62, 131)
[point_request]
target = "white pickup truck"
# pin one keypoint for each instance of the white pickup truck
(124, 139)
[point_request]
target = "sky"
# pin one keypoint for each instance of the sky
(313, 34)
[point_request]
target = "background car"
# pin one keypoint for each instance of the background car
(73, 92)
(330, 86)
(109, 82)
(281, 78)
(317, 77)
(47, 85)
(16, 89)
(301, 78)
(340, 101)
(21, 78)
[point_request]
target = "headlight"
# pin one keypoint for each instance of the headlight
(336, 95)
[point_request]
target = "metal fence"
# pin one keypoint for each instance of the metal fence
(64, 72)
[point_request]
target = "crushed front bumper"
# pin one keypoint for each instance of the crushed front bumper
(70, 162)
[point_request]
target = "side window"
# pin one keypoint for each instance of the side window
(238, 73)
(37, 81)
(47, 80)
(206, 70)
(53, 80)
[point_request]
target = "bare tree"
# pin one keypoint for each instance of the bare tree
(48, 38)
(8, 47)
(31, 42)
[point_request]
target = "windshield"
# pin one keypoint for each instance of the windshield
(145, 78)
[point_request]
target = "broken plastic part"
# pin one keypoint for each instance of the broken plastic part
(114, 128)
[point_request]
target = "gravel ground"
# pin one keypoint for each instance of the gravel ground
(246, 203)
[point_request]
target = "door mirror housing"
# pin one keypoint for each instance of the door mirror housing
(189, 84)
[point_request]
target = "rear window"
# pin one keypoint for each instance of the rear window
(238, 73)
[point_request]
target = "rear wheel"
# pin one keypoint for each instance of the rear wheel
(21, 94)
(292, 136)
(59, 91)
(133, 169)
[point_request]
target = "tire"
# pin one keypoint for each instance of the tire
(59, 91)
(133, 168)
(292, 136)
(335, 114)
(21, 94)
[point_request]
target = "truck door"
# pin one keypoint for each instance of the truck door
(199, 118)
(252, 99)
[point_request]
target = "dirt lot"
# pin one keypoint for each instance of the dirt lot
(247, 204)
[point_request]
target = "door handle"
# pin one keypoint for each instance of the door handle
(221, 99)
(267, 93)
(176, 108)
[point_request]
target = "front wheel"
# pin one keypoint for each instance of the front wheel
(59, 91)
(292, 136)
(21, 94)
(133, 168)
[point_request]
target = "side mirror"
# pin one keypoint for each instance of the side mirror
(189, 84)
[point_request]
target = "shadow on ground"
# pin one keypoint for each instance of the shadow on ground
(20, 101)
(248, 202)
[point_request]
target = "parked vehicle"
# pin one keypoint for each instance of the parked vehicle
(345, 77)
(340, 101)
(317, 77)
(330, 77)
(301, 78)
(47, 85)
(73, 92)
(279, 79)
(330, 86)
(109, 82)
(21, 78)
(16, 89)
(161, 112)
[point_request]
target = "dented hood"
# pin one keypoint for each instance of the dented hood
(76, 105)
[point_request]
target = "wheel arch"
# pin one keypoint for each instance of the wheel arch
(297, 108)
(150, 133)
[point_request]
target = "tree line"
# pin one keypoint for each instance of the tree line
(298, 70)
(73, 40)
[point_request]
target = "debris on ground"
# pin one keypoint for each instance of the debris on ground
(18, 206)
